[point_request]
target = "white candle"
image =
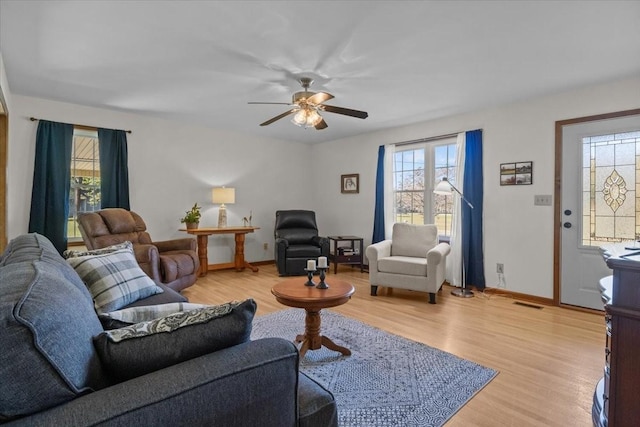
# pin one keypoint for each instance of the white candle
(322, 262)
(311, 264)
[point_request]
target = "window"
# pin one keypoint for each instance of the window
(610, 202)
(415, 202)
(84, 192)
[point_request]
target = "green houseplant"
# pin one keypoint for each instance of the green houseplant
(192, 217)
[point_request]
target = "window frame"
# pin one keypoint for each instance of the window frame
(429, 150)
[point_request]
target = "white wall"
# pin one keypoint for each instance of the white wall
(516, 233)
(171, 166)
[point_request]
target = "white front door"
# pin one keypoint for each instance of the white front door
(600, 173)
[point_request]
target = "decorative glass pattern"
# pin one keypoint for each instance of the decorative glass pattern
(610, 188)
(614, 191)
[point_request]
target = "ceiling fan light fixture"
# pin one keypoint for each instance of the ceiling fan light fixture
(306, 118)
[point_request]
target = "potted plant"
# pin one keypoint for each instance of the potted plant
(192, 217)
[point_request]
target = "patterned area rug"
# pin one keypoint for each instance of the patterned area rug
(388, 380)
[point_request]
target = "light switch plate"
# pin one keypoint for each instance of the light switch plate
(542, 200)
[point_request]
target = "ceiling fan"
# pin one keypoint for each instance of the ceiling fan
(307, 106)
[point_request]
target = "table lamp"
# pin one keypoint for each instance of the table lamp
(223, 195)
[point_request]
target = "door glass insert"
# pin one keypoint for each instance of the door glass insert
(610, 188)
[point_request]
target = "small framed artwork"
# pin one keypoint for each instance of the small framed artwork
(516, 173)
(350, 184)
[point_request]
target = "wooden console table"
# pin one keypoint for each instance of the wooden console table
(202, 234)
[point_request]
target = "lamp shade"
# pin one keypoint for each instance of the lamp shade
(223, 195)
(443, 187)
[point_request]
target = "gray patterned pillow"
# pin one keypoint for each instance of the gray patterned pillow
(114, 278)
(128, 316)
(149, 346)
(74, 254)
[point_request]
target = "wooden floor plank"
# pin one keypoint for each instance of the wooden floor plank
(549, 359)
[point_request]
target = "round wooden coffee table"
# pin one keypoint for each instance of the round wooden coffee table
(293, 293)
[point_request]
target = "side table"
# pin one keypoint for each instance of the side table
(293, 293)
(352, 256)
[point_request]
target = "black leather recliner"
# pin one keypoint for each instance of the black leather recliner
(297, 241)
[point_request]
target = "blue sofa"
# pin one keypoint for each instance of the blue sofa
(51, 373)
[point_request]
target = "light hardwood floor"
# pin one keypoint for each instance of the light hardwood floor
(549, 359)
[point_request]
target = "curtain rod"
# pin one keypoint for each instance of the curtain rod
(33, 119)
(432, 138)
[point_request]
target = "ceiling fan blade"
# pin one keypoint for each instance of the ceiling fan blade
(321, 125)
(275, 103)
(345, 111)
(285, 114)
(319, 98)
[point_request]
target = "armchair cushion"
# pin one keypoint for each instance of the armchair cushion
(114, 278)
(413, 240)
(148, 346)
(403, 265)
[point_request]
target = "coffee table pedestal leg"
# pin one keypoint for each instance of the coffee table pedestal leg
(312, 340)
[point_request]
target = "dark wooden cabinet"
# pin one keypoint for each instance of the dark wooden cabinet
(341, 252)
(616, 400)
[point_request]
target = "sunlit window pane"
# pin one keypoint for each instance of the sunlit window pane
(84, 191)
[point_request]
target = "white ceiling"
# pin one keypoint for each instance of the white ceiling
(402, 61)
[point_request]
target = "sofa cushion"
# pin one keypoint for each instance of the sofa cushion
(114, 278)
(27, 247)
(47, 326)
(128, 316)
(148, 346)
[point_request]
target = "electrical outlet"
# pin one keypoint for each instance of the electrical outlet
(500, 268)
(265, 246)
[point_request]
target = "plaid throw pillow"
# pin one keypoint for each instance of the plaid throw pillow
(114, 278)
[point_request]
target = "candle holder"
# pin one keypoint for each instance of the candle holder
(309, 282)
(322, 284)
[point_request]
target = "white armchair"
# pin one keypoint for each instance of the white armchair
(412, 259)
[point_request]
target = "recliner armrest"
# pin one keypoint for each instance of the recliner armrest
(184, 244)
(148, 259)
(323, 243)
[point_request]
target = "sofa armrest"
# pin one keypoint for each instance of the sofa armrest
(148, 259)
(184, 244)
(254, 383)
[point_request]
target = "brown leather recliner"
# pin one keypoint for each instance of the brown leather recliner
(174, 263)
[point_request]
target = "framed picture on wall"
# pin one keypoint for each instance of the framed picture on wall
(350, 183)
(516, 173)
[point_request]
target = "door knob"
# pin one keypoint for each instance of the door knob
(567, 212)
(567, 225)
